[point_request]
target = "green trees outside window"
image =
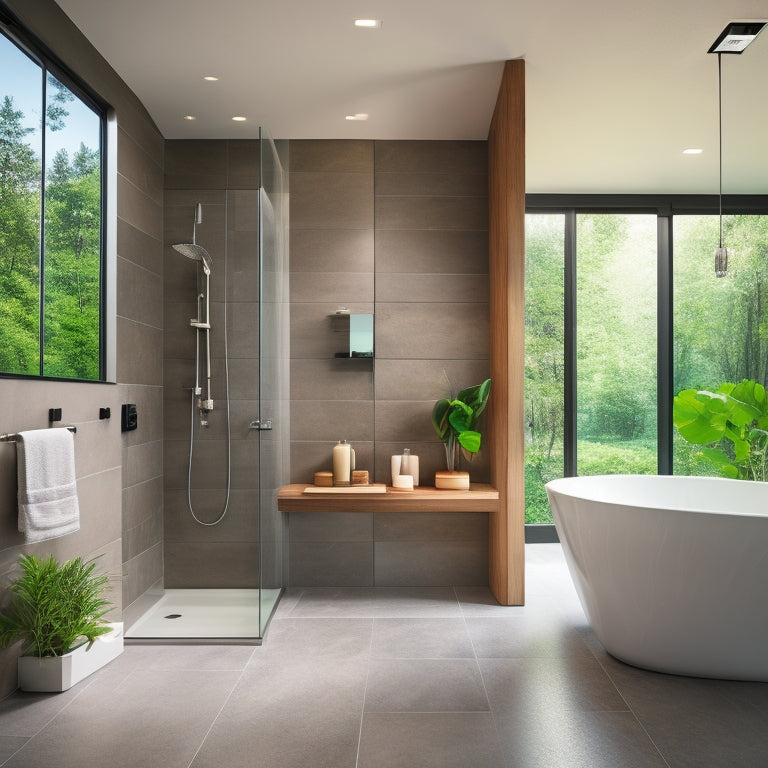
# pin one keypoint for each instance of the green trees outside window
(719, 331)
(50, 223)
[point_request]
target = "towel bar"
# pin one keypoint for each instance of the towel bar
(13, 437)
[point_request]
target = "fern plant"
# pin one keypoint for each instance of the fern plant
(55, 607)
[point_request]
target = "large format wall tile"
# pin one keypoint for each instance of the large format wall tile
(431, 331)
(420, 264)
(331, 155)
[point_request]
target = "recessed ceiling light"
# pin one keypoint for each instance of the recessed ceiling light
(210, 78)
(189, 117)
(358, 116)
(239, 119)
(368, 23)
(692, 151)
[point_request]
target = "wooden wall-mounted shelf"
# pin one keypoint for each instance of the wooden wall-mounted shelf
(479, 498)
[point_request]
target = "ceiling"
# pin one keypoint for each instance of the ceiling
(615, 91)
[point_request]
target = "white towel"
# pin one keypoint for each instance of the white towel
(48, 505)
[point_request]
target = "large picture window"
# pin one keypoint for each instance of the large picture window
(623, 310)
(51, 232)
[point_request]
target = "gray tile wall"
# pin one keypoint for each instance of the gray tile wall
(117, 475)
(397, 228)
(224, 177)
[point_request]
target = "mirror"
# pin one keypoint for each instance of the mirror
(357, 336)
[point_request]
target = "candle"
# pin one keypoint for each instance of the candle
(403, 482)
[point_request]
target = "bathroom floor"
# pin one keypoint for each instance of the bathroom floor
(395, 678)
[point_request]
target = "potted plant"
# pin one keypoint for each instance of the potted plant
(456, 424)
(731, 425)
(57, 611)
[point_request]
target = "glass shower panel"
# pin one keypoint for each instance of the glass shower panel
(273, 368)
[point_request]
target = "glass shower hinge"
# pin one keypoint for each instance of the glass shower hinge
(261, 425)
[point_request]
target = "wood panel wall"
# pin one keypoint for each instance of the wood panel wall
(506, 181)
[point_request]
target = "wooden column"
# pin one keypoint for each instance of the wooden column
(506, 202)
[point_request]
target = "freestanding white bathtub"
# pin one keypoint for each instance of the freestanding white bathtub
(672, 572)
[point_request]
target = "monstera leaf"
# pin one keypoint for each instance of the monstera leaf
(731, 425)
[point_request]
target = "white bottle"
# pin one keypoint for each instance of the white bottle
(342, 462)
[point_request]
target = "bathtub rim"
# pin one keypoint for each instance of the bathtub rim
(562, 484)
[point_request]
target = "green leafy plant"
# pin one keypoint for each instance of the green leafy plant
(730, 423)
(456, 420)
(54, 607)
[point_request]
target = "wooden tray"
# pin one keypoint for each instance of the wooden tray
(372, 488)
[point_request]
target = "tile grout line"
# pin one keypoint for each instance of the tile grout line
(365, 693)
(482, 680)
(221, 708)
(92, 681)
(629, 709)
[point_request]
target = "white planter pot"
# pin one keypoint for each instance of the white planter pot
(58, 673)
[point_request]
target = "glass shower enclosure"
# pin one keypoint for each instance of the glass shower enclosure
(226, 393)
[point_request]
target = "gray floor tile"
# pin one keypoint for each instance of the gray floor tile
(425, 685)
(22, 715)
(547, 686)
(254, 739)
(151, 719)
(416, 602)
(696, 722)
(279, 686)
(337, 638)
(575, 739)
(421, 639)
(525, 637)
(185, 657)
(420, 740)
(9, 745)
(291, 714)
(325, 602)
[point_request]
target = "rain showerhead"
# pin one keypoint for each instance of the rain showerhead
(196, 253)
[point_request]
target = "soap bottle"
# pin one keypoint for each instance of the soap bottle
(342, 463)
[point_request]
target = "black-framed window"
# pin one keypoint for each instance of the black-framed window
(623, 309)
(52, 224)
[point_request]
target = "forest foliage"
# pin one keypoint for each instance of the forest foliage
(720, 333)
(50, 209)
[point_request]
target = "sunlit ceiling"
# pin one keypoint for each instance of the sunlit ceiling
(615, 91)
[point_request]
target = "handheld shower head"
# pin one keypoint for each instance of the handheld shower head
(196, 253)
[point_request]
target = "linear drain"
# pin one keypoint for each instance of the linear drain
(172, 616)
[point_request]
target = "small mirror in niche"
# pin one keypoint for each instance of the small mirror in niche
(357, 330)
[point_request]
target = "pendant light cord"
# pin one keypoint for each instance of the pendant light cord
(720, 136)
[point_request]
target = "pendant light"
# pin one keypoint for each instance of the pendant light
(733, 39)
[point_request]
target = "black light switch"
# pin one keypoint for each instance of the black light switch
(130, 417)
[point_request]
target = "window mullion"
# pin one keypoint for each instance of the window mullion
(41, 258)
(569, 346)
(665, 357)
